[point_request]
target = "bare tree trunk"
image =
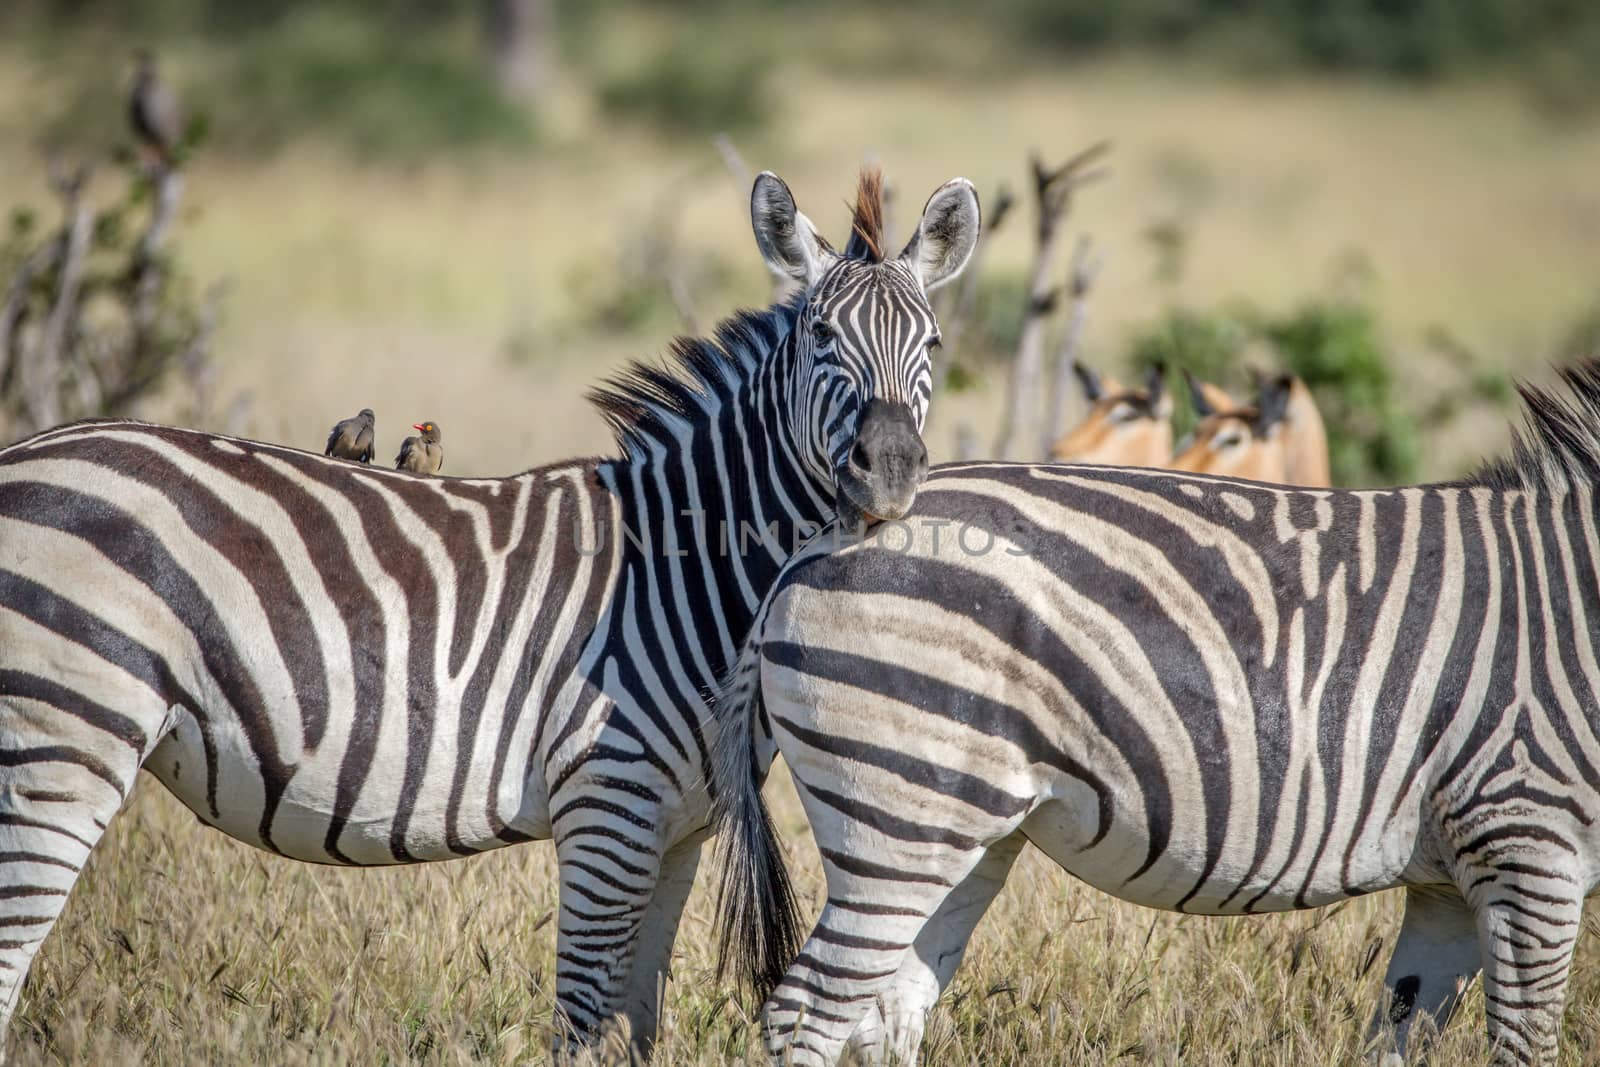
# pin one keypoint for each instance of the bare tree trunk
(1085, 268)
(13, 312)
(516, 35)
(1053, 191)
(42, 361)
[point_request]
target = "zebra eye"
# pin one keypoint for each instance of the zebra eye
(821, 332)
(936, 342)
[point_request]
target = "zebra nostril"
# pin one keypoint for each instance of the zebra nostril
(859, 458)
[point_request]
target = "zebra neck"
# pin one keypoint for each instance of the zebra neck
(712, 509)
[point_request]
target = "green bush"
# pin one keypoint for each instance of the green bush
(334, 72)
(692, 86)
(1335, 345)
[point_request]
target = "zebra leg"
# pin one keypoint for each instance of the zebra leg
(1528, 925)
(56, 798)
(875, 911)
(1434, 958)
(608, 880)
(647, 978)
(893, 1033)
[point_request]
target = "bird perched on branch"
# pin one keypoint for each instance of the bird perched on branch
(422, 454)
(352, 438)
(154, 111)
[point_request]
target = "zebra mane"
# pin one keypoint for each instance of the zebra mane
(866, 219)
(1559, 448)
(650, 404)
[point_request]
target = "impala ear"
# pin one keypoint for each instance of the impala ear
(1155, 386)
(1208, 399)
(1089, 380)
(788, 241)
(946, 235)
(1272, 403)
(1197, 396)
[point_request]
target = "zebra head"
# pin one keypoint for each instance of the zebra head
(864, 335)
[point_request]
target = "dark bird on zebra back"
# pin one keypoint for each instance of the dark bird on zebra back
(423, 454)
(352, 438)
(154, 111)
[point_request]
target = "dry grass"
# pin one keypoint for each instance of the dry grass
(180, 946)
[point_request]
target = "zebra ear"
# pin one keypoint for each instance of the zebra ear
(787, 240)
(946, 235)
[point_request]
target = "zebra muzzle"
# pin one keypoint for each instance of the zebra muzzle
(885, 466)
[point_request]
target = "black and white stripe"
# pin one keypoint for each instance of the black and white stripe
(351, 665)
(1195, 693)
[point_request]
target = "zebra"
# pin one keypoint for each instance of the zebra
(348, 665)
(1194, 693)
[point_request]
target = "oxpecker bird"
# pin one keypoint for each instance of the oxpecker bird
(154, 112)
(423, 454)
(352, 438)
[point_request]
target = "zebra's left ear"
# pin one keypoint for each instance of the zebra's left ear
(788, 241)
(946, 235)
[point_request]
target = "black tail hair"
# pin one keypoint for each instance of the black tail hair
(758, 918)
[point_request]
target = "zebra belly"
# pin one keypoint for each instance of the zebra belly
(1180, 878)
(309, 807)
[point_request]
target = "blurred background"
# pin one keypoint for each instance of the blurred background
(471, 210)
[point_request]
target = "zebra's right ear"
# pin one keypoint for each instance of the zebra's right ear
(946, 234)
(787, 240)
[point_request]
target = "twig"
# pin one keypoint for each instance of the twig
(782, 285)
(1081, 277)
(148, 271)
(963, 302)
(966, 443)
(12, 312)
(1052, 191)
(732, 160)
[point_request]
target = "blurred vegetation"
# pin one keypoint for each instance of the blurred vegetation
(685, 87)
(1551, 44)
(401, 77)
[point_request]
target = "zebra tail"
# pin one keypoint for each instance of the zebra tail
(758, 918)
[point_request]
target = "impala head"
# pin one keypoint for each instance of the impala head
(1234, 440)
(1124, 427)
(864, 336)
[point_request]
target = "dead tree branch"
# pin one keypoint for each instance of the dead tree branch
(40, 377)
(91, 322)
(1053, 189)
(1081, 277)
